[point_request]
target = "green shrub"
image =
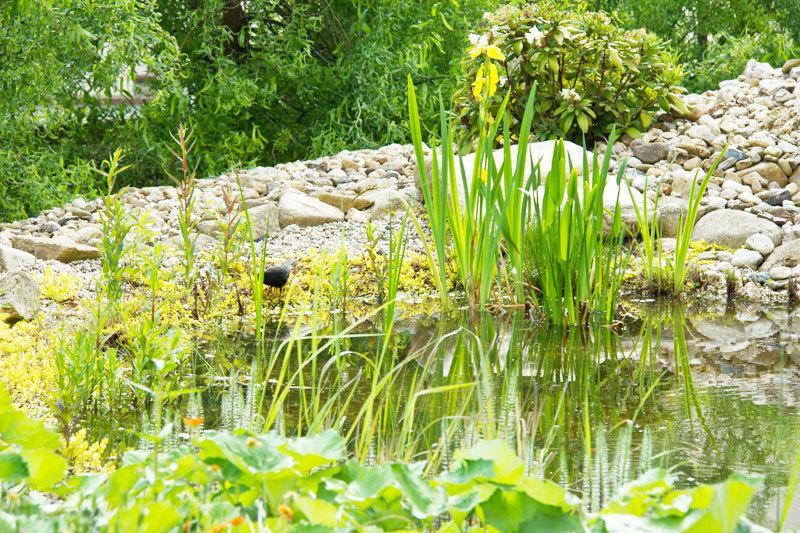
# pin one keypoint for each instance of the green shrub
(36, 180)
(258, 82)
(592, 75)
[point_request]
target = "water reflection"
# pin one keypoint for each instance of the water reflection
(705, 395)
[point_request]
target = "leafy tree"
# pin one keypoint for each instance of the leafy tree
(259, 82)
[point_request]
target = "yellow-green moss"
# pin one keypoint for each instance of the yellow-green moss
(27, 365)
(59, 287)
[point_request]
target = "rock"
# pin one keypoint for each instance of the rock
(787, 255)
(789, 65)
(757, 70)
(384, 202)
(780, 272)
(19, 296)
(732, 228)
(746, 258)
(11, 259)
(540, 152)
(58, 248)
(771, 172)
(356, 216)
(264, 220)
(702, 133)
(760, 243)
(297, 208)
(87, 235)
(778, 196)
(344, 201)
(651, 152)
(669, 213)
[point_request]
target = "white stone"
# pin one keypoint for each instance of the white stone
(746, 258)
(760, 243)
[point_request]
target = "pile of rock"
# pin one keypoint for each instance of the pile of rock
(351, 187)
(752, 125)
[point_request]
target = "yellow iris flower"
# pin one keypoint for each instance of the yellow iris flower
(483, 79)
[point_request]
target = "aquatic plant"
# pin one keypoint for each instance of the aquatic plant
(575, 255)
(665, 274)
(281, 483)
(487, 214)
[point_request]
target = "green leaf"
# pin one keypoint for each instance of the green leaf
(250, 454)
(46, 468)
(468, 472)
(13, 467)
(315, 451)
(316, 511)
(425, 501)
(17, 428)
(508, 467)
(512, 510)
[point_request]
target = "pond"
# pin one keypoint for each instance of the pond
(704, 392)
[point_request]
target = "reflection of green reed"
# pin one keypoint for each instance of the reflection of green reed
(541, 391)
(682, 367)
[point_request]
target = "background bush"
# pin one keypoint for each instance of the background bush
(713, 37)
(591, 75)
(275, 81)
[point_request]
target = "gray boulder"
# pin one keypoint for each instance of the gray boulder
(265, 220)
(670, 211)
(760, 243)
(19, 296)
(787, 255)
(728, 227)
(11, 259)
(651, 152)
(746, 258)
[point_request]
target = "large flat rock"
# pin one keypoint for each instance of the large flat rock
(57, 248)
(732, 228)
(297, 208)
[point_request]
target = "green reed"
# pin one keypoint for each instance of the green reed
(484, 219)
(575, 255)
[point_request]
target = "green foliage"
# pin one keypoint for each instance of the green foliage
(481, 211)
(592, 75)
(257, 82)
(300, 483)
(726, 56)
(27, 450)
(652, 503)
(715, 38)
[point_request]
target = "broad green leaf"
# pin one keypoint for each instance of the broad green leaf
(316, 511)
(46, 468)
(548, 493)
(468, 472)
(511, 510)
(251, 454)
(13, 467)
(315, 451)
(508, 467)
(17, 428)
(425, 501)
